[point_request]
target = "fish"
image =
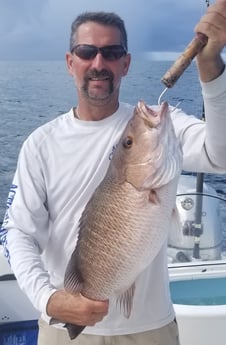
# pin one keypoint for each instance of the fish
(125, 222)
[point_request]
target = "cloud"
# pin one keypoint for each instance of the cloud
(20, 23)
(19, 16)
(40, 29)
(174, 23)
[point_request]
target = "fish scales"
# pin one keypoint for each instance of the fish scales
(120, 214)
(126, 221)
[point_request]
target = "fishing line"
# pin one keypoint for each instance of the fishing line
(160, 97)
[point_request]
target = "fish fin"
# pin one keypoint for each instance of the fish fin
(125, 301)
(73, 281)
(153, 197)
(54, 321)
(74, 330)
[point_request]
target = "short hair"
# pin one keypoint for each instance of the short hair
(104, 18)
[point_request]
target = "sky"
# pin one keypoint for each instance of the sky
(40, 29)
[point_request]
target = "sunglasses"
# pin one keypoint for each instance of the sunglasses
(88, 51)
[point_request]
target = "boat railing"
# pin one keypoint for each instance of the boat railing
(198, 233)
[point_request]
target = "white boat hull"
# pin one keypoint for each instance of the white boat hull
(201, 324)
(15, 306)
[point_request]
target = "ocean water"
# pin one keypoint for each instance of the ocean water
(205, 292)
(34, 92)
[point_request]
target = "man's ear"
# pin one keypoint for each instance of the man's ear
(127, 60)
(69, 62)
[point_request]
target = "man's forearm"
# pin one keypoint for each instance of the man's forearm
(210, 69)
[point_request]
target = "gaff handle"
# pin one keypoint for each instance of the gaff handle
(184, 60)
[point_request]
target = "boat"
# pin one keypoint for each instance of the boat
(18, 317)
(197, 271)
(197, 263)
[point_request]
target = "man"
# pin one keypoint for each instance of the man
(62, 163)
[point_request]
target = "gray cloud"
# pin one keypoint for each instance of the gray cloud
(39, 29)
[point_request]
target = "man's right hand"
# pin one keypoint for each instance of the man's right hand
(76, 309)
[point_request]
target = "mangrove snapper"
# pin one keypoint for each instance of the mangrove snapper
(126, 221)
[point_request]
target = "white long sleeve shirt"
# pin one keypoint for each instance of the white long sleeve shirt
(59, 167)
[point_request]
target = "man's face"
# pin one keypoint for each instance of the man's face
(97, 79)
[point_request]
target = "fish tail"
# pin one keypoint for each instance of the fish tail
(74, 330)
(54, 321)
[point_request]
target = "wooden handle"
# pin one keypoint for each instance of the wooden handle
(184, 60)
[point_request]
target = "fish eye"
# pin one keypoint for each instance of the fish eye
(127, 142)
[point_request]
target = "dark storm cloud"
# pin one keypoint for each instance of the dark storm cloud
(39, 29)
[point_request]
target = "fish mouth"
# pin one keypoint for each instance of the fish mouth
(152, 118)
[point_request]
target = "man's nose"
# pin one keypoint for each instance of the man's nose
(98, 62)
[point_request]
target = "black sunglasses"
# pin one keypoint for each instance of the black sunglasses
(88, 51)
